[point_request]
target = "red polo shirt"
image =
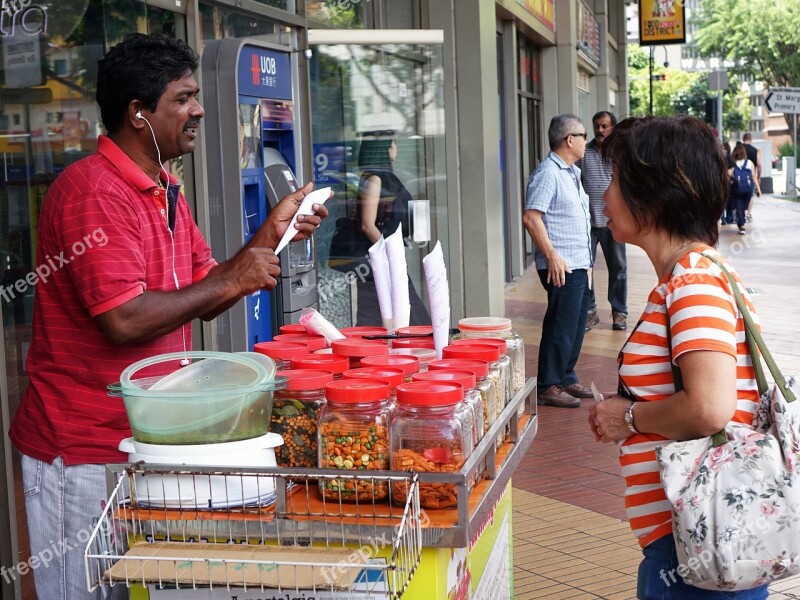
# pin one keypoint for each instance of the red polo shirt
(104, 238)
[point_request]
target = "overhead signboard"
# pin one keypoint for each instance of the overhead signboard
(661, 22)
(26, 96)
(783, 100)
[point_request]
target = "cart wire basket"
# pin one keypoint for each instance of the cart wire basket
(265, 529)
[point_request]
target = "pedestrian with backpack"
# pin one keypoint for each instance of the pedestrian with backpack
(743, 184)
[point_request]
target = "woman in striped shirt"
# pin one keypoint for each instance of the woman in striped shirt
(668, 191)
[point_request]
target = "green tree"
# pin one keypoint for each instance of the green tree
(761, 36)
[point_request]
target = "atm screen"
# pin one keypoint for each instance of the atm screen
(250, 136)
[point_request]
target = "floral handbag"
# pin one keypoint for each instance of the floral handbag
(735, 496)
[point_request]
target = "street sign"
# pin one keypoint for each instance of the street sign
(783, 99)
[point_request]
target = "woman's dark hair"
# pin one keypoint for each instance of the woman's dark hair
(139, 67)
(374, 149)
(672, 174)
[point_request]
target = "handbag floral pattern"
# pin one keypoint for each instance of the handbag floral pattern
(736, 505)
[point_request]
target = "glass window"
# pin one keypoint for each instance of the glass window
(391, 158)
(341, 14)
(219, 22)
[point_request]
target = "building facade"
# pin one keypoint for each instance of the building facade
(468, 88)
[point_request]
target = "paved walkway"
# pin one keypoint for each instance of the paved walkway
(570, 535)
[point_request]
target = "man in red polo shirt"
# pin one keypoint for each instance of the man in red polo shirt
(128, 271)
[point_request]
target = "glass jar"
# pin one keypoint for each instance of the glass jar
(472, 397)
(282, 352)
(483, 384)
(504, 362)
(424, 355)
(498, 327)
(295, 412)
(491, 354)
(322, 362)
(429, 435)
(292, 328)
(353, 435)
(355, 349)
(408, 364)
(314, 342)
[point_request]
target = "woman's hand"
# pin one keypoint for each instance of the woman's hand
(607, 419)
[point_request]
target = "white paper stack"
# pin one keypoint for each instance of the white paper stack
(314, 322)
(438, 296)
(398, 270)
(383, 281)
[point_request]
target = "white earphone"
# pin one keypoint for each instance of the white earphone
(138, 115)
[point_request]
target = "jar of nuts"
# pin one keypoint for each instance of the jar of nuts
(429, 434)
(353, 435)
(295, 412)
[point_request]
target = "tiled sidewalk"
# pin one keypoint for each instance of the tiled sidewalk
(570, 536)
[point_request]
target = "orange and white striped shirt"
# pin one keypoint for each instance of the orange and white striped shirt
(703, 316)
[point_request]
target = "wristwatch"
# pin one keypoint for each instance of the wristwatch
(629, 417)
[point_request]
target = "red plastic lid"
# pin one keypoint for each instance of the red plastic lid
(472, 351)
(415, 330)
(293, 328)
(362, 330)
(394, 376)
(358, 348)
(281, 350)
(322, 362)
(414, 342)
(430, 393)
(484, 324)
(315, 342)
(465, 378)
(306, 379)
(479, 367)
(497, 342)
(352, 391)
(405, 362)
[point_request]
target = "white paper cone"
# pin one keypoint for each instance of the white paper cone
(383, 282)
(316, 323)
(398, 269)
(438, 296)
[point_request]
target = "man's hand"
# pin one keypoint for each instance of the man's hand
(557, 269)
(272, 230)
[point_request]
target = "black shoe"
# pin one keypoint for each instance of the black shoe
(620, 321)
(592, 319)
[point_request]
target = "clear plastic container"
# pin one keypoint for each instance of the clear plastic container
(282, 352)
(498, 327)
(504, 362)
(391, 375)
(353, 435)
(322, 362)
(424, 355)
(314, 342)
(406, 363)
(429, 435)
(472, 397)
(355, 349)
(483, 384)
(295, 413)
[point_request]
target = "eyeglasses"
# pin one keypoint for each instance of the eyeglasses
(583, 135)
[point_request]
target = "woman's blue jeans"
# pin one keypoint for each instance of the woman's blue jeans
(659, 578)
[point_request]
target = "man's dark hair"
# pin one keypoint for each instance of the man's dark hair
(139, 68)
(605, 113)
(672, 174)
(747, 137)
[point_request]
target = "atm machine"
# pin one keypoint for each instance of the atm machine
(256, 128)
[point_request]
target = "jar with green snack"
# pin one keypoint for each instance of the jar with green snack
(295, 414)
(353, 435)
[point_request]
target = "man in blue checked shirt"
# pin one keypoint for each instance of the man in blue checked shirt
(557, 218)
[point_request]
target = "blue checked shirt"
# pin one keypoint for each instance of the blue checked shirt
(554, 188)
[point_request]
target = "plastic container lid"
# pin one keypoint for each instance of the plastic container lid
(394, 376)
(479, 367)
(306, 379)
(485, 324)
(465, 378)
(425, 355)
(314, 342)
(430, 393)
(353, 391)
(281, 350)
(488, 341)
(362, 330)
(414, 342)
(473, 351)
(293, 328)
(356, 347)
(415, 330)
(322, 362)
(406, 363)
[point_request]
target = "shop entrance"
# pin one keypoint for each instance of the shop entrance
(376, 93)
